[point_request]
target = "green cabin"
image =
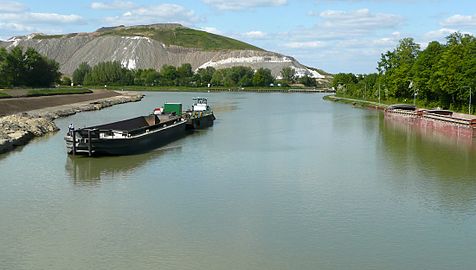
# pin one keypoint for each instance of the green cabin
(173, 108)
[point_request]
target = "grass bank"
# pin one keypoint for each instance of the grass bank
(4, 95)
(357, 102)
(32, 92)
(56, 91)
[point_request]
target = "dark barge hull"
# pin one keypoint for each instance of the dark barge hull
(200, 122)
(137, 140)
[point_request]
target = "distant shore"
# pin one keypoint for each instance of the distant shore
(33, 117)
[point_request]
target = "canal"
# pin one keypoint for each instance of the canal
(281, 181)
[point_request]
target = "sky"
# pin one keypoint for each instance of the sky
(334, 35)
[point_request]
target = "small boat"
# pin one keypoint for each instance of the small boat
(440, 112)
(405, 107)
(200, 116)
(130, 136)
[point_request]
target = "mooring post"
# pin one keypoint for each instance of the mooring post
(74, 142)
(89, 142)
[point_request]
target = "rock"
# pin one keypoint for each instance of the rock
(19, 129)
(5, 145)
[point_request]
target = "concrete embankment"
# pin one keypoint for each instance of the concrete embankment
(18, 129)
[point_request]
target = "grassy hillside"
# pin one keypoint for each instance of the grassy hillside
(170, 34)
(182, 36)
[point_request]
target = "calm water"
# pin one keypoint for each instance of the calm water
(282, 181)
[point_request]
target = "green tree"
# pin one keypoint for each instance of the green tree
(3, 78)
(425, 72)
(238, 76)
(184, 74)
(218, 77)
(308, 81)
(66, 81)
(80, 73)
(288, 74)
(263, 77)
(15, 69)
(205, 75)
(146, 77)
(396, 68)
(109, 73)
(168, 74)
(39, 70)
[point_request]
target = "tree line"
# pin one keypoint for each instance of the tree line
(441, 75)
(113, 73)
(27, 68)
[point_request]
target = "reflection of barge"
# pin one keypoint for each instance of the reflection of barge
(439, 120)
(131, 136)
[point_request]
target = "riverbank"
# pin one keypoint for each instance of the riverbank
(19, 128)
(278, 89)
(357, 102)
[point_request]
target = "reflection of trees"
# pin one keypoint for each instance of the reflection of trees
(444, 167)
(90, 171)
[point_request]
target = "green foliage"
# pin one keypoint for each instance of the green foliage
(168, 75)
(238, 76)
(263, 77)
(65, 81)
(440, 75)
(146, 77)
(184, 37)
(204, 76)
(29, 68)
(289, 75)
(80, 73)
(397, 66)
(307, 81)
(184, 74)
(109, 73)
(4, 95)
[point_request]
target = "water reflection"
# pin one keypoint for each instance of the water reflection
(91, 170)
(439, 168)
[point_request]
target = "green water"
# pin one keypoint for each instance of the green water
(281, 181)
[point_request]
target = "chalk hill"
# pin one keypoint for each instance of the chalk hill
(152, 46)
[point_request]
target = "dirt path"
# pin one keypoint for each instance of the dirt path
(16, 105)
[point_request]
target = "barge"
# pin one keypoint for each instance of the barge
(200, 116)
(442, 121)
(130, 136)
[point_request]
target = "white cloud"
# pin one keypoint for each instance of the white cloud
(438, 34)
(41, 18)
(212, 30)
(16, 19)
(112, 5)
(16, 27)
(11, 6)
(460, 20)
(243, 4)
(361, 19)
(254, 35)
(153, 14)
(304, 45)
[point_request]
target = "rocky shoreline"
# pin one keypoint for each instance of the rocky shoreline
(19, 129)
